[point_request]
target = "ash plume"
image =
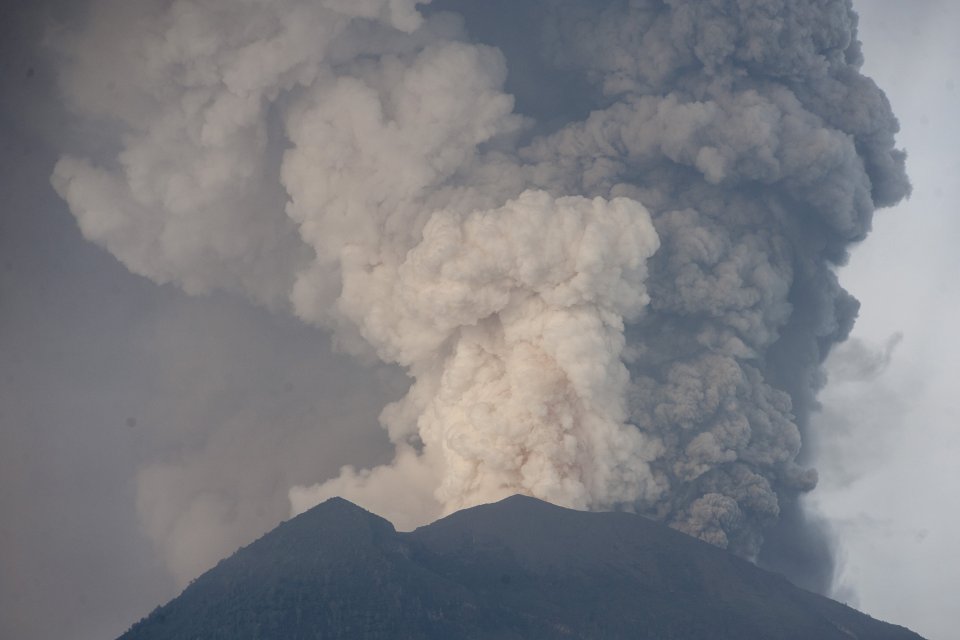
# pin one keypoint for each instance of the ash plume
(600, 237)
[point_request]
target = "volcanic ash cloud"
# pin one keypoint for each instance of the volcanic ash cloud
(511, 321)
(599, 236)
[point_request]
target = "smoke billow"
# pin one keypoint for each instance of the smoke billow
(600, 237)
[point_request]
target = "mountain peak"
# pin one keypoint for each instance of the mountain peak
(337, 504)
(516, 569)
(334, 514)
(522, 498)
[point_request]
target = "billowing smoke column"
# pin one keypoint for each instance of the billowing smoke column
(600, 236)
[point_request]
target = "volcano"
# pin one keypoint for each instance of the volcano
(516, 569)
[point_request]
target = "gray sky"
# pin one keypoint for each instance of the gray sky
(889, 478)
(109, 383)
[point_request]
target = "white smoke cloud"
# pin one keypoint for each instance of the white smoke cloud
(622, 307)
(511, 321)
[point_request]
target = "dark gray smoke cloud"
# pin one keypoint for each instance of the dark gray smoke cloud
(599, 236)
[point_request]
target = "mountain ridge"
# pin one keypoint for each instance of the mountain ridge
(519, 568)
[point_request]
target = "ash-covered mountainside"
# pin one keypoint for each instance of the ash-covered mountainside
(517, 569)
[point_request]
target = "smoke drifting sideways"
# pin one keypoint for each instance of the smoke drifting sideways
(600, 237)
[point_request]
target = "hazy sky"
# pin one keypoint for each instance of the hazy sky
(109, 382)
(889, 477)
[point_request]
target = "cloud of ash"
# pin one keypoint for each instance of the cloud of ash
(600, 237)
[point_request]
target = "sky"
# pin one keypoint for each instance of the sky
(889, 472)
(131, 412)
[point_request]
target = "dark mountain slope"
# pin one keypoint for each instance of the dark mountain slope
(335, 571)
(518, 569)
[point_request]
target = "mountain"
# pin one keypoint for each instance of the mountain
(519, 569)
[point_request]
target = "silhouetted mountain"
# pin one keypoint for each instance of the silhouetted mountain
(517, 569)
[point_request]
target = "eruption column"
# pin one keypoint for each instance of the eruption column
(599, 236)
